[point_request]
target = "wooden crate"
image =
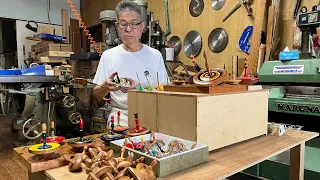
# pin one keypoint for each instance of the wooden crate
(217, 120)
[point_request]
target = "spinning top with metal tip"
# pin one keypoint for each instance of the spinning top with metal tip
(81, 142)
(44, 148)
(246, 79)
(111, 136)
(138, 130)
(53, 137)
(146, 74)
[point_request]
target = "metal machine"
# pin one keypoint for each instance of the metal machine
(294, 85)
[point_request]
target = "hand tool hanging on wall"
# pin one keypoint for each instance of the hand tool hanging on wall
(245, 3)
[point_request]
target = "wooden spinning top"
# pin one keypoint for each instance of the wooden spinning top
(44, 148)
(53, 137)
(138, 130)
(81, 142)
(246, 79)
(111, 136)
(119, 128)
(209, 76)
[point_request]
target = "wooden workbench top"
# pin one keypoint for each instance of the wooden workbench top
(34, 163)
(224, 162)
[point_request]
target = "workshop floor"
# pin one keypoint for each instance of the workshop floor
(10, 168)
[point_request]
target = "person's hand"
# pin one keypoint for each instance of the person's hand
(132, 85)
(112, 86)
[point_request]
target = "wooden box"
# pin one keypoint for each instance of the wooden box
(217, 120)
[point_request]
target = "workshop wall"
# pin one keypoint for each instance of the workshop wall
(22, 33)
(35, 10)
(182, 22)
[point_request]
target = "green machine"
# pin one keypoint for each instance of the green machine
(294, 86)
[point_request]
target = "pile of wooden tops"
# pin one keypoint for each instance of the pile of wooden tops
(49, 52)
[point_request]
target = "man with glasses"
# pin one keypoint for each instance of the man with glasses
(131, 60)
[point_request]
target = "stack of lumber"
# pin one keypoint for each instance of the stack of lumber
(48, 52)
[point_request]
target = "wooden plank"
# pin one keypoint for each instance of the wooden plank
(256, 36)
(262, 50)
(269, 31)
(180, 113)
(33, 165)
(65, 23)
(145, 106)
(206, 90)
(239, 121)
(297, 162)
(223, 162)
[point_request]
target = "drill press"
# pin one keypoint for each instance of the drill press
(308, 23)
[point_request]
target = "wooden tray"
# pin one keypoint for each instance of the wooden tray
(36, 163)
(206, 90)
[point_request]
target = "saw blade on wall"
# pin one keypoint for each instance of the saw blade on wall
(192, 44)
(196, 7)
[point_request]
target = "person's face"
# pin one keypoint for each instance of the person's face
(130, 27)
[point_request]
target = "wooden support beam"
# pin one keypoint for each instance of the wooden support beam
(256, 36)
(297, 162)
(269, 31)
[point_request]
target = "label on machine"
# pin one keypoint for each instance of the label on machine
(288, 69)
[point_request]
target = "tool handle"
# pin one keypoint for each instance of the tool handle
(206, 61)
(81, 123)
(52, 128)
(118, 118)
(44, 133)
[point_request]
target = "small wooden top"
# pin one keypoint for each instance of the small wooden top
(224, 162)
(35, 163)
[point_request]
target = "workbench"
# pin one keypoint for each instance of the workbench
(226, 161)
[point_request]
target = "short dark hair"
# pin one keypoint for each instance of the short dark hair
(127, 5)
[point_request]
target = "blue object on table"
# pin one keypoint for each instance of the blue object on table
(34, 71)
(289, 55)
(10, 72)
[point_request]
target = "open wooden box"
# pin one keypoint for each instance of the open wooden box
(217, 120)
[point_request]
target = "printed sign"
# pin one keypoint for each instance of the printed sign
(288, 69)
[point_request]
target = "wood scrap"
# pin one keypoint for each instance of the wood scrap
(269, 31)
(261, 56)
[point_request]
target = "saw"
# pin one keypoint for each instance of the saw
(192, 44)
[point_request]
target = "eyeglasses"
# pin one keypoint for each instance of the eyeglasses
(132, 25)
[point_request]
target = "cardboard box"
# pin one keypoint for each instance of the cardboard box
(217, 120)
(46, 30)
(52, 59)
(56, 54)
(172, 163)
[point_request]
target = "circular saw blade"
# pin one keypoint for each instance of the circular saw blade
(217, 4)
(218, 40)
(196, 7)
(176, 43)
(192, 44)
